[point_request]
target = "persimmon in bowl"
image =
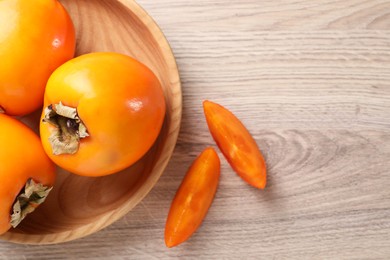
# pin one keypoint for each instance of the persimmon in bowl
(78, 206)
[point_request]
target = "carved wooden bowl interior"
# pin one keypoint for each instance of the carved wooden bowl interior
(79, 206)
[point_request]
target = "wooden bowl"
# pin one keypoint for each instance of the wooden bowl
(79, 206)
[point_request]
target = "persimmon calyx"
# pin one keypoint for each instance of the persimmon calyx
(29, 198)
(2, 111)
(68, 131)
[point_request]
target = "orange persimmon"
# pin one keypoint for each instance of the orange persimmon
(35, 38)
(236, 144)
(193, 198)
(102, 112)
(26, 173)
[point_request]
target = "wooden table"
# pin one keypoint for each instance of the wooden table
(311, 81)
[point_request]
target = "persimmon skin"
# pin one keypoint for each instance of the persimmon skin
(22, 157)
(121, 103)
(35, 38)
(236, 144)
(193, 198)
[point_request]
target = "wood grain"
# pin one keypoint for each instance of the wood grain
(310, 79)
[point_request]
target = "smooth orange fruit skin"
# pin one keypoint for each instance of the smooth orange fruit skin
(36, 36)
(193, 198)
(236, 144)
(21, 158)
(121, 103)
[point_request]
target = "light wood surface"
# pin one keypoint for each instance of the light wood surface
(311, 80)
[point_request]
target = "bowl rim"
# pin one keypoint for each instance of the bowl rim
(109, 218)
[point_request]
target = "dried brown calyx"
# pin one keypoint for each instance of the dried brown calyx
(68, 131)
(28, 199)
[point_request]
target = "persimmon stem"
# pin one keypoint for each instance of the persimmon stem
(32, 195)
(68, 128)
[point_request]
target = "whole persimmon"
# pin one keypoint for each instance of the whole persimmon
(35, 38)
(102, 112)
(26, 173)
